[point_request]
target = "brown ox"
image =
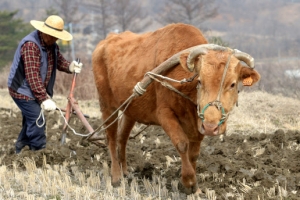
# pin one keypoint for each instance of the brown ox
(121, 61)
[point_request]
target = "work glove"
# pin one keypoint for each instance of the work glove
(48, 105)
(75, 67)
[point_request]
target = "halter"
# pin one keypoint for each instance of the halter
(216, 102)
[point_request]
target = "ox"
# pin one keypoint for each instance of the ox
(189, 111)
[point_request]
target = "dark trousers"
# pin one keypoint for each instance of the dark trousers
(31, 134)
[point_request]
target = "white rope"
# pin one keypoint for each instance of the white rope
(169, 86)
(43, 117)
(73, 130)
(139, 89)
(167, 78)
(101, 129)
(127, 103)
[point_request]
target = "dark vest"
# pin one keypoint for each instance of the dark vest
(17, 80)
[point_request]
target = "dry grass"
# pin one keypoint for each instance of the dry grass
(55, 182)
(261, 112)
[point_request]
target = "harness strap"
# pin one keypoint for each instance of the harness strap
(169, 86)
(223, 78)
(217, 102)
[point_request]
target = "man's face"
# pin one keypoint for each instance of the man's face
(48, 39)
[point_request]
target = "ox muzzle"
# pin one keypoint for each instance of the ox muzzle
(218, 105)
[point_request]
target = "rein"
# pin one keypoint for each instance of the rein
(138, 91)
(169, 86)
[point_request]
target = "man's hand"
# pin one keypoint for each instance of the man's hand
(75, 67)
(48, 105)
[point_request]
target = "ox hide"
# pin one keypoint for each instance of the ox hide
(122, 60)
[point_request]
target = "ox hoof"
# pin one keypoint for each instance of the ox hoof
(189, 190)
(116, 183)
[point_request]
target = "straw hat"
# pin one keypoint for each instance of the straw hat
(54, 26)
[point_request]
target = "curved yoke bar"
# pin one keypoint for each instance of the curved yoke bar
(174, 60)
(140, 88)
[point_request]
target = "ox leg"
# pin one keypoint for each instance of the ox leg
(194, 151)
(111, 134)
(188, 174)
(125, 126)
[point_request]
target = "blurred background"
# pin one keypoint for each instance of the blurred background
(266, 29)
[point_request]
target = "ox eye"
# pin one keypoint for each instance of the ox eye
(232, 85)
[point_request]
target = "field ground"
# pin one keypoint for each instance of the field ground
(259, 158)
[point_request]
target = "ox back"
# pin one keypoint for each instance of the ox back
(121, 60)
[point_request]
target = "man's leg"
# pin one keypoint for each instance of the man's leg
(22, 140)
(32, 134)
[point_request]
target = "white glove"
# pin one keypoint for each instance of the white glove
(75, 67)
(48, 105)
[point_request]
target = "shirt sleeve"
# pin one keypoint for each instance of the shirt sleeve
(31, 56)
(62, 63)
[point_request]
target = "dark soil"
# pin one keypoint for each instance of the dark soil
(228, 163)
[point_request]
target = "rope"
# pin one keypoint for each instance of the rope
(41, 115)
(133, 137)
(167, 85)
(223, 78)
(170, 79)
(128, 101)
(78, 134)
(140, 91)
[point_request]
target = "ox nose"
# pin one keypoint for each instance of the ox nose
(210, 129)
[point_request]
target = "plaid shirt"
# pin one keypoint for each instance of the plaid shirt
(31, 56)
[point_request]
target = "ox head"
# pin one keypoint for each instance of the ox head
(219, 71)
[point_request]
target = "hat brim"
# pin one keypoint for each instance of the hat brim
(63, 35)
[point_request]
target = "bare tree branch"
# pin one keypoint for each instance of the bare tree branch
(129, 15)
(69, 11)
(193, 12)
(103, 15)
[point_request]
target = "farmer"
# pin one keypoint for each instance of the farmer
(32, 77)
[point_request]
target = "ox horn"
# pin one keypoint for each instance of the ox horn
(201, 50)
(249, 60)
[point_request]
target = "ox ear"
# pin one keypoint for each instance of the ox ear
(183, 62)
(249, 76)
